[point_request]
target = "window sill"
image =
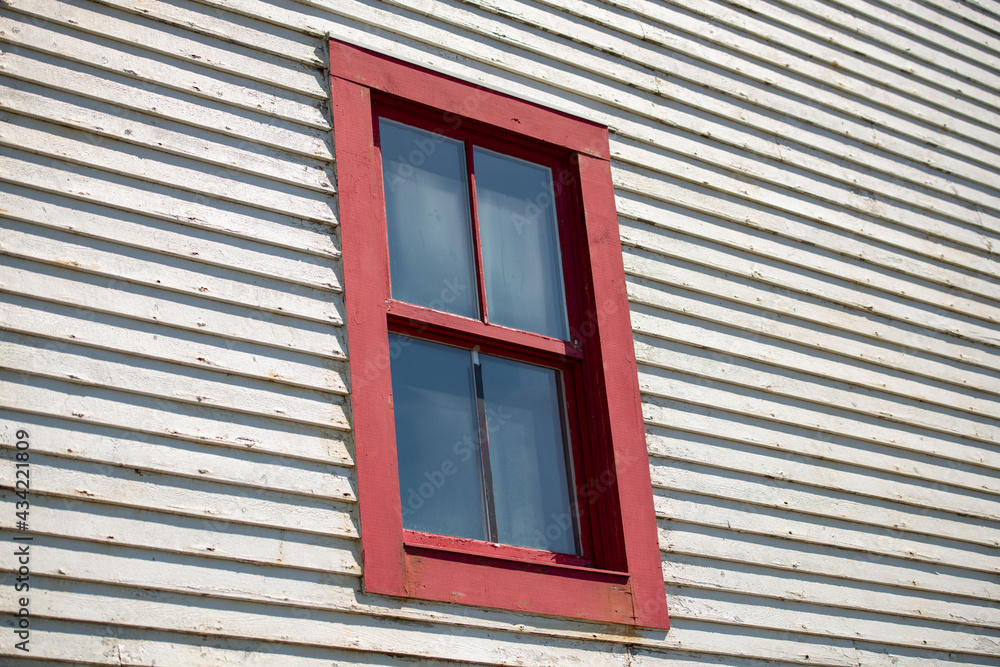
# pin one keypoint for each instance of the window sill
(451, 570)
(414, 541)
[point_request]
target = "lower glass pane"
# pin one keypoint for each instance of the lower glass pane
(437, 441)
(528, 456)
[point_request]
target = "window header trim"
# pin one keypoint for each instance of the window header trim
(440, 91)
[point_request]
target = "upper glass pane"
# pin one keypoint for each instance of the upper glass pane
(528, 459)
(437, 439)
(519, 235)
(428, 219)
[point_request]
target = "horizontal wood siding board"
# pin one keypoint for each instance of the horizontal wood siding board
(148, 97)
(709, 575)
(685, 541)
(247, 468)
(872, 542)
(675, 301)
(71, 643)
(664, 359)
(114, 122)
(713, 393)
(30, 355)
(700, 214)
(65, 325)
(176, 73)
(206, 499)
(790, 616)
(745, 487)
(99, 294)
(223, 56)
(253, 33)
(794, 30)
(161, 530)
(668, 202)
(872, 292)
(114, 263)
(781, 357)
(149, 166)
(714, 280)
(146, 199)
(824, 474)
(163, 417)
(822, 447)
(190, 243)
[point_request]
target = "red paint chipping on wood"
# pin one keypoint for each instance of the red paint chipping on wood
(467, 100)
(618, 579)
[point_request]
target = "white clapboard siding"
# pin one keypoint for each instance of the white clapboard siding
(26, 134)
(751, 486)
(691, 297)
(702, 210)
(115, 524)
(149, 304)
(133, 94)
(666, 359)
(825, 474)
(250, 469)
(92, 368)
(761, 434)
(809, 207)
(183, 276)
(107, 121)
(705, 271)
(664, 185)
(125, 57)
(61, 323)
(158, 38)
(835, 563)
(866, 543)
(87, 643)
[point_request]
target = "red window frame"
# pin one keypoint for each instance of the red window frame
(619, 577)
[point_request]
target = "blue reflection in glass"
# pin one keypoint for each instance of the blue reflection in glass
(519, 237)
(528, 456)
(437, 438)
(428, 219)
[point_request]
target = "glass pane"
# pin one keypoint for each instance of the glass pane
(437, 438)
(428, 219)
(520, 244)
(531, 487)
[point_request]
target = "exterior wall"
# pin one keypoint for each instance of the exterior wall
(810, 219)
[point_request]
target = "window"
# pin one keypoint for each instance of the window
(498, 433)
